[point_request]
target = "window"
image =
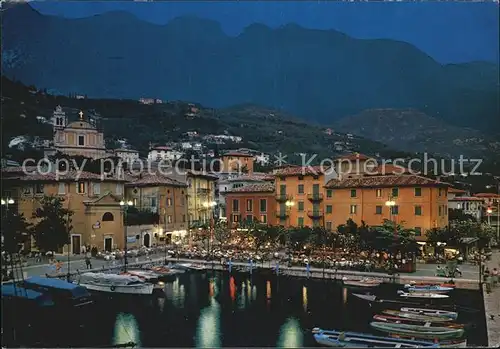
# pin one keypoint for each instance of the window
(395, 192)
(108, 217)
(169, 219)
(119, 189)
(27, 191)
(378, 209)
(440, 191)
(249, 205)
(378, 193)
(418, 231)
(81, 140)
(418, 210)
(353, 209)
(315, 177)
(169, 202)
(301, 188)
(446, 210)
(263, 218)
(39, 188)
(329, 193)
(395, 209)
(440, 210)
(182, 200)
(80, 187)
(96, 188)
(282, 189)
(301, 178)
(62, 188)
(300, 206)
(329, 209)
(263, 205)
(249, 218)
(353, 193)
(183, 218)
(329, 225)
(418, 191)
(235, 218)
(300, 222)
(236, 205)
(153, 202)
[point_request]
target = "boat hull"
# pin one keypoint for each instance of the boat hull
(145, 289)
(431, 312)
(415, 317)
(421, 332)
(399, 320)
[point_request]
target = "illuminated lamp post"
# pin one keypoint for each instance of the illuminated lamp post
(125, 206)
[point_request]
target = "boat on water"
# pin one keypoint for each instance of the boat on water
(423, 295)
(417, 317)
(363, 340)
(450, 343)
(115, 283)
(416, 331)
(63, 293)
(427, 284)
(402, 320)
(165, 272)
(189, 266)
(148, 276)
(432, 312)
(365, 282)
(431, 289)
(20, 296)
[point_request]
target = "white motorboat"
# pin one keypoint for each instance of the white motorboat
(189, 266)
(113, 283)
(365, 282)
(147, 276)
(432, 312)
(424, 295)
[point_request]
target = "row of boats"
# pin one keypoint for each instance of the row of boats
(408, 326)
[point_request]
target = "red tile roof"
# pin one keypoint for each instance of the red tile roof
(255, 188)
(237, 154)
(253, 177)
(299, 171)
(153, 179)
(384, 181)
(70, 176)
(456, 191)
(202, 174)
(487, 195)
(389, 169)
(354, 157)
(161, 148)
(19, 169)
(465, 198)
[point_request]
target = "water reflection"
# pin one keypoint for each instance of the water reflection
(344, 295)
(232, 289)
(161, 303)
(208, 332)
(304, 297)
(126, 330)
(176, 293)
(268, 289)
(290, 334)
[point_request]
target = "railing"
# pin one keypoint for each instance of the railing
(283, 197)
(282, 214)
(202, 191)
(315, 197)
(315, 214)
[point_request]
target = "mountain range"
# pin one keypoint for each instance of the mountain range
(318, 75)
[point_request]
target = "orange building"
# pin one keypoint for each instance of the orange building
(299, 196)
(237, 162)
(254, 201)
(421, 203)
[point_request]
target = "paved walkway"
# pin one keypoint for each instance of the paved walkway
(492, 305)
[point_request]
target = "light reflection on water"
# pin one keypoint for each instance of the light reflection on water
(208, 329)
(304, 297)
(291, 335)
(126, 330)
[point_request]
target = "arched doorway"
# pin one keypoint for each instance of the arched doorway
(147, 240)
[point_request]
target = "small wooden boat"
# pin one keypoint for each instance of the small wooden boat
(430, 289)
(363, 340)
(417, 317)
(432, 312)
(365, 282)
(453, 343)
(415, 331)
(401, 320)
(147, 276)
(113, 283)
(426, 284)
(423, 295)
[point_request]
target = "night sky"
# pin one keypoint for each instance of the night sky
(450, 32)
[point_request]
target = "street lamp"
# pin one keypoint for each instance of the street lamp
(125, 206)
(489, 211)
(7, 202)
(391, 204)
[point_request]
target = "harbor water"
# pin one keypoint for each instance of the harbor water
(218, 309)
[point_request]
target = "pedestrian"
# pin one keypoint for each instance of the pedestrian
(58, 266)
(88, 262)
(494, 275)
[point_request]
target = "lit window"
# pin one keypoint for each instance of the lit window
(97, 188)
(249, 205)
(169, 219)
(80, 188)
(378, 193)
(62, 188)
(353, 209)
(263, 218)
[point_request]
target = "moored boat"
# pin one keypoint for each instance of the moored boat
(147, 276)
(432, 289)
(415, 331)
(364, 340)
(452, 343)
(417, 317)
(402, 320)
(165, 272)
(426, 295)
(60, 291)
(427, 284)
(432, 312)
(189, 266)
(112, 283)
(365, 282)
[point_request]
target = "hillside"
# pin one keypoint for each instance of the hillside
(262, 129)
(317, 75)
(411, 130)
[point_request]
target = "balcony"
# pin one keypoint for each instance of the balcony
(315, 197)
(202, 191)
(315, 214)
(283, 197)
(282, 214)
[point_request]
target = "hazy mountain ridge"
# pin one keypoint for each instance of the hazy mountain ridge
(321, 75)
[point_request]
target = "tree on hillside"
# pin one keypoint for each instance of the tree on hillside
(15, 231)
(53, 228)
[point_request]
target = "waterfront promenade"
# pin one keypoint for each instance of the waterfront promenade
(492, 305)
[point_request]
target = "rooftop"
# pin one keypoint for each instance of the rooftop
(298, 171)
(255, 188)
(153, 179)
(238, 154)
(389, 169)
(71, 176)
(354, 157)
(384, 181)
(456, 191)
(487, 195)
(466, 198)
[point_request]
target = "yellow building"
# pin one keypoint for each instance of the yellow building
(164, 196)
(98, 217)
(201, 196)
(79, 137)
